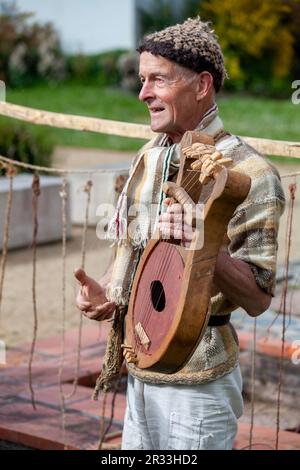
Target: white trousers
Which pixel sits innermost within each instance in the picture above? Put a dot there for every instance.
(183, 417)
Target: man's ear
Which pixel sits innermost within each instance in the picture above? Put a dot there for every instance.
(204, 85)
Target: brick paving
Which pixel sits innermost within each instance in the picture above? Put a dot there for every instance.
(42, 428)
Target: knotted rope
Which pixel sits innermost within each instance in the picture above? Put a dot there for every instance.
(87, 189)
(253, 371)
(292, 189)
(63, 195)
(35, 194)
(10, 173)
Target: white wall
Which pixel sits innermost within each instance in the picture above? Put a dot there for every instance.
(87, 26)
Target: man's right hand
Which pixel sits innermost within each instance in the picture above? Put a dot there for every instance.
(91, 299)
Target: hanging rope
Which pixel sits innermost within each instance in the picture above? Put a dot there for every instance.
(112, 370)
(292, 189)
(87, 190)
(104, 432)
(35, 194)
(253, 374)
(289, 175)
(10, 173)
(102, 421)
(63, 195)
(65, 171)
(58, 171)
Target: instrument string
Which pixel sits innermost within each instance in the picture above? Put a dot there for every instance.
(164, 263)
(188, 183)
(161, 275)
(146, 297)
(162, 260)
(146, 300)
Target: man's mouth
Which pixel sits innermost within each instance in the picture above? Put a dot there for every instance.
(156, 110)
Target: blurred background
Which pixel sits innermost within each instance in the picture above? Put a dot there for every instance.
(78, 57)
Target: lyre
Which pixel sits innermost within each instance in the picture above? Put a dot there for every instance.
(170, 298)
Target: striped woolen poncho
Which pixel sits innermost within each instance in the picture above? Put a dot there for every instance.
(252, 232)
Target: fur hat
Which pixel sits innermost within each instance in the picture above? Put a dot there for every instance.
(192, 44)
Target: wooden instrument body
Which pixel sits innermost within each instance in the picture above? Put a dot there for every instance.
(169, 305)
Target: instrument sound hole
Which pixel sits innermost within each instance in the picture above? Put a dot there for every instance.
(158, 297)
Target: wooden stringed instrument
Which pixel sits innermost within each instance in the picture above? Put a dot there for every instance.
(169, 306)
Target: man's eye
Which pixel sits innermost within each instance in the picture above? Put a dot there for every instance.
(160, 81)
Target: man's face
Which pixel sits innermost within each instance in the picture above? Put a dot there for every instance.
(170, 92)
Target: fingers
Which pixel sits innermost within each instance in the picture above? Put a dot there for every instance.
(177, 230)
(84, 306)
(103, 312)
(106, 308)
(98, 312)
(176, 223)
(175, 208)
(174, 215)
(170, 220)
(179, 215)
(177, 193)
(80, 275)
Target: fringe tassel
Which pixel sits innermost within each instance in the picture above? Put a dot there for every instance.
(113, 358)
(118, 295)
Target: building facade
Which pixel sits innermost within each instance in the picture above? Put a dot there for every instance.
(93, 26)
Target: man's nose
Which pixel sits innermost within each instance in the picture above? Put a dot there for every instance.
(146, 92)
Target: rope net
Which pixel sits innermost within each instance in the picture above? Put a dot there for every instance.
(12, 167)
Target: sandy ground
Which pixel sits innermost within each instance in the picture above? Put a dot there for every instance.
(17, 306)
(17, 310)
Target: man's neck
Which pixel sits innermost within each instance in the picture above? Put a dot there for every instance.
(208, 111)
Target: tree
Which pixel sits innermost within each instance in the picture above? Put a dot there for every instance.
(257, 37)
(28, 52)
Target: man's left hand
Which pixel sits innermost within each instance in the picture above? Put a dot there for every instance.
(175, 223)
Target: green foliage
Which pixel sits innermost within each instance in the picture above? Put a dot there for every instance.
(19, 143)
(101, 69)
(28, 52)
(128, 67)
(160, 16)
(260, 41)
(163, 14)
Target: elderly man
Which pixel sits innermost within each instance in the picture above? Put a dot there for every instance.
(197, 407)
